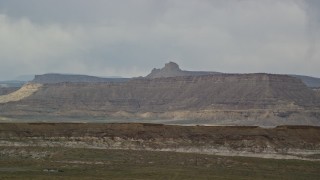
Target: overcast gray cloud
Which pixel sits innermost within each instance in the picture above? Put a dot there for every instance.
(129, 37)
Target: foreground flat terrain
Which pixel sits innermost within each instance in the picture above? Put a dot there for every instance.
(79, 163)
(155, 151)
(284, 142)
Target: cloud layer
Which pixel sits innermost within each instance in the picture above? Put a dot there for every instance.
(128, 38)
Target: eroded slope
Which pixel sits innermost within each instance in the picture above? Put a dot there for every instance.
(22, 93)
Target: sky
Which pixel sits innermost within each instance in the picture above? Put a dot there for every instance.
(130, 37)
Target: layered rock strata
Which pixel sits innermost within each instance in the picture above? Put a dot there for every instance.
(249, 99)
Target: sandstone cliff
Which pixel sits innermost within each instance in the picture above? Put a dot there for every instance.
(251, 99)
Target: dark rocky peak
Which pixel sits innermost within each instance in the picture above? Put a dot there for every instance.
(171, 66)
(168, 68)
(172, 69)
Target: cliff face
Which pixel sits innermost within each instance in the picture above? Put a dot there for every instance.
(236, 91)
(226, 99)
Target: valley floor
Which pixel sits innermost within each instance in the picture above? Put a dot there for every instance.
(80, 163)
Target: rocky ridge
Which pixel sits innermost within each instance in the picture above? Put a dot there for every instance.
(172, 69)
(59, 78)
